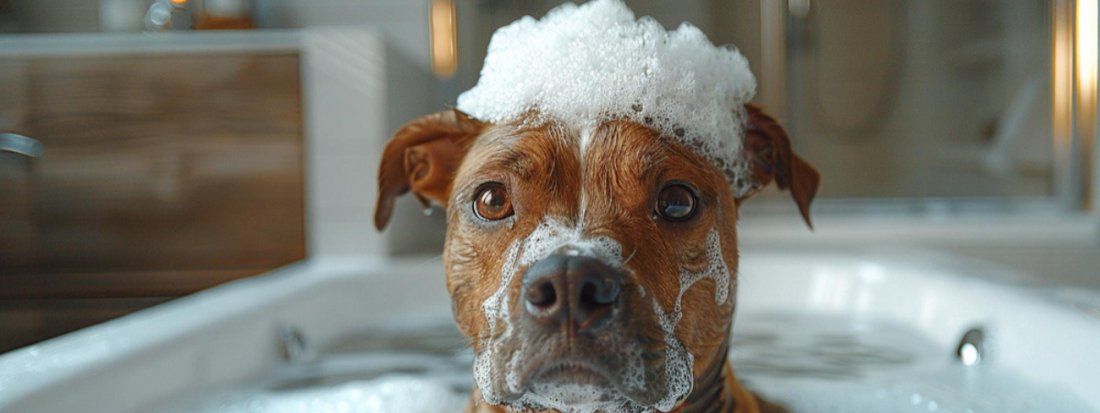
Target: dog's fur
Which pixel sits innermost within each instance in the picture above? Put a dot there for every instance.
(607, 188)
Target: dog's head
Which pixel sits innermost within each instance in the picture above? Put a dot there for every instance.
(594, 268)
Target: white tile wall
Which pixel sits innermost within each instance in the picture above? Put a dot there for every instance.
(344, 86)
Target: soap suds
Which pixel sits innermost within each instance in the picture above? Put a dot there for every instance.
(552, 235)
(582, 65)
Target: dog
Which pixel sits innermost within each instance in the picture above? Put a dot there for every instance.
(593, 268)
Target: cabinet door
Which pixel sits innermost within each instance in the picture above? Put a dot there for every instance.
(161, 174)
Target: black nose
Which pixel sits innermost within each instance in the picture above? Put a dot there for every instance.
(572, 291)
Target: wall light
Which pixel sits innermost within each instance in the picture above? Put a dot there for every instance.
(443, 39)
(1086, 44)
(1074, 105)
(1086, 47)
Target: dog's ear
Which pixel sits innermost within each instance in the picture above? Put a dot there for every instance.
(423, 157)
(771, 157)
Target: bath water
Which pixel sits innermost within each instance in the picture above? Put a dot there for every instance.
(811, 364)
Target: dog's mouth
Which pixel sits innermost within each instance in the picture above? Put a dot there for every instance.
(570, 372)
(573, 383)
(580, 381)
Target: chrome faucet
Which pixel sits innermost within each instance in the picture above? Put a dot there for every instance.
(16, 143)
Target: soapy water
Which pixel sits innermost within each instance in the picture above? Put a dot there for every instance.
(809, 363)
(582, 65)
(393, 393)
(819, 364)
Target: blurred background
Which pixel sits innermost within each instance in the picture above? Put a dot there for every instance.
(151, 149)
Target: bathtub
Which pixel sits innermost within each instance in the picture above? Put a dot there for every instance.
(229, 335)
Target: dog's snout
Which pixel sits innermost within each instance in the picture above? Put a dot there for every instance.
(571, 291)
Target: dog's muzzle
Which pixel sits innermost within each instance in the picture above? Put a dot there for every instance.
(580, 338)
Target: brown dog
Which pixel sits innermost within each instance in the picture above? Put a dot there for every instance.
(595, 279)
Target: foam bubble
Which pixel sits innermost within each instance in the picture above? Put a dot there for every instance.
(715, 270)
(495, 309)
(581, 65)
(553, 235)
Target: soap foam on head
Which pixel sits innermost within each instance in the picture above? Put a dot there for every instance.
(582, 65)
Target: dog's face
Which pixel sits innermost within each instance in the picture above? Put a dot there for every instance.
(593, 269)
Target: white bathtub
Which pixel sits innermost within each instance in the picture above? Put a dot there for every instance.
(227, 336)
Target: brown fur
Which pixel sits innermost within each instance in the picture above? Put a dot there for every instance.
(613, 183)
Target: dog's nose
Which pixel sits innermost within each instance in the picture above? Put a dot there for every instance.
(580, 292)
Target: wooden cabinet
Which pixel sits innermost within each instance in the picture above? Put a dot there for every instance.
(163, 174)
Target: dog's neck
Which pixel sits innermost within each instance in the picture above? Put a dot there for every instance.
(717, 390)
(711, 393)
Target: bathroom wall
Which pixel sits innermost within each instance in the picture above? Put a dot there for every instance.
(411, 88)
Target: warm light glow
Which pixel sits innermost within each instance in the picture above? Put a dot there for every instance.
(1087, 47)
(178, 1)
(1086, 43)
(1062, 84)
(443, 40)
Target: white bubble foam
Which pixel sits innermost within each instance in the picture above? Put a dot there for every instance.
(679, 367)
(715, 270)
(495, 309)
(553, 235)
(581, 65)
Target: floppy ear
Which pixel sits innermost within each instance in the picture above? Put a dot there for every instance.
(423, 157)
(769, 150)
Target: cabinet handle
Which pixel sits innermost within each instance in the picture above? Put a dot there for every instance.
(20, 144)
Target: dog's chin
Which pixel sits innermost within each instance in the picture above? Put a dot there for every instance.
(574, 390)
(572, 383)
(577, 387)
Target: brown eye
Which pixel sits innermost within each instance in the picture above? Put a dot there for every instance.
(492, 203)
(676, 202)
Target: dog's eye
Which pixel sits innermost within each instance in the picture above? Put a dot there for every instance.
(676, 202)
(492, 203)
